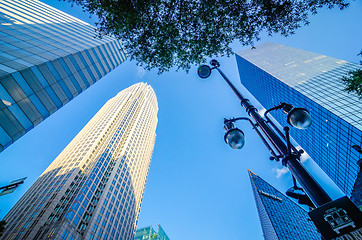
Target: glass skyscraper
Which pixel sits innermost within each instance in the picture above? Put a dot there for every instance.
(148, 233)
(276, 73)
(47, 58)
(280, 217)
(94, 188)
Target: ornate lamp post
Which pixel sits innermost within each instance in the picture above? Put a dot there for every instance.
(338, 218)
(278, 143)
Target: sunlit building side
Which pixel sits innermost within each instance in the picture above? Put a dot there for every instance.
(47, 58)
(275, 73)
(94, 188)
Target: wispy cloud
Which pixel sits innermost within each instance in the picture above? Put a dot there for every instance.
(140, 72)
(304, 157)
(281, 171)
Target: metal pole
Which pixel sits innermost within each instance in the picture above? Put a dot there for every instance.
(311, 186)
(253, 112)
(275, 127)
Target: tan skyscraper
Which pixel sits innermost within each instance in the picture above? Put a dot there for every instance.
(94, 188)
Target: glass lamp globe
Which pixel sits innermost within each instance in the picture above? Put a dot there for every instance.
(204, 71)
(299, 118)
(235, 138)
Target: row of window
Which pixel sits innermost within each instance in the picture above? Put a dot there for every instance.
(344, 133)
(288, 219)
(45, 98)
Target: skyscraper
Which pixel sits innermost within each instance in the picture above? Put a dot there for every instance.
(47, 58)
(94, 188)
(280, 217)
(148, 233)
(276, 73)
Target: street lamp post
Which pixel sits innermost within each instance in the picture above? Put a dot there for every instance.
(297, 117)
(11, 187)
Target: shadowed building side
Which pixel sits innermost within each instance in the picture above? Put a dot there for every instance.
(47, 58)
(280, 217)
(94, 188)
(356, 195)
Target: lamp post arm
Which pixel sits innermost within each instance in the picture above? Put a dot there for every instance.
(287, 136)
(272, 123)
(294, 182)
(275, 126)
(274, 156)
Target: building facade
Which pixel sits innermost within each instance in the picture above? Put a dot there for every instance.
(148, 233)
(94, 188)
(276, 73)
(356, 195)
(280, 217)
(47, 58)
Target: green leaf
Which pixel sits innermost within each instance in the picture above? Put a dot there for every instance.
(163, 34)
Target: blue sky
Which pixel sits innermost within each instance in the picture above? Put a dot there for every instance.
(198, 187)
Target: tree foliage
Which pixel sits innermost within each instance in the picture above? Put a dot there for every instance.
(353, 81)
(165, 33)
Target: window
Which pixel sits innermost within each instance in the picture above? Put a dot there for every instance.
(85, 203)
(75, 206)
(82, 226)
(100, 232)
(65, 235)
(81, 211)
(105, 236)
(79, 198)
(70, 216)
(76, 220)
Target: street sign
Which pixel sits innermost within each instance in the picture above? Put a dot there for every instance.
(338, 220)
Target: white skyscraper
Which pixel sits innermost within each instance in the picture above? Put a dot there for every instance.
(94, 188)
